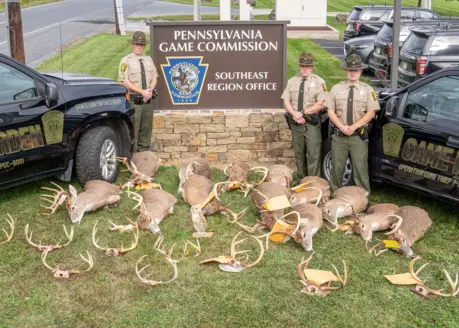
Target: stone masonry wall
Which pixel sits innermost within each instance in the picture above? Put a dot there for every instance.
(223, 136)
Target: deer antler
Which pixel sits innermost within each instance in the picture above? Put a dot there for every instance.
(226, 168)
(196, 247)
(319, 198)
(115, 251)
(137, 197)
(396, 225)
(8, 235)
(234, 253)
(263, 170)
(342, 282)
(173, 263)
(56, 200)
(281, 174)
(215, 189)
(58, 273)
(48, 248)
(123, 228)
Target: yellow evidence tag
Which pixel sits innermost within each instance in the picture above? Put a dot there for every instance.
(401, 279)
(278, 232)
(302, 186)
(277, 203)
(234, 186)
(148, 185)
(391, 244)
(319, 277)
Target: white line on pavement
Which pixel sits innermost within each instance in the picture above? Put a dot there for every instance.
(43, 28)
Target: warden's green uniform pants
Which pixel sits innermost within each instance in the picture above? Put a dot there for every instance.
(341, 146)
(307, 146)
(143, 126)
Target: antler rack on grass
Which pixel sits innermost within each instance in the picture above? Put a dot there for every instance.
(318, 282)
(58, 273)
(115, 251)
(420, 288)
(50, 247)
(8, 235)
(168, 257)
(56, 200)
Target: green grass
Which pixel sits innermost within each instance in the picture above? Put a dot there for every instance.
(339, 27)
(216, 3)
(29, 3)
(175, 18)
(266, 295)
(440, 6)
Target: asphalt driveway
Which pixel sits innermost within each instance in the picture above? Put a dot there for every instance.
(335, 48)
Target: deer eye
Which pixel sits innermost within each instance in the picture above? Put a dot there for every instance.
(362, 226)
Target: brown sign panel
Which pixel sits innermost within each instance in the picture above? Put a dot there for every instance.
(219, 64)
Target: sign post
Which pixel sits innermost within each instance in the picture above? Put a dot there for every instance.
(395, 44)
(15, 37)
(219, 65)
(197, 10)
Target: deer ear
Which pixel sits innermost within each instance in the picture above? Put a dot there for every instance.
(73, 193)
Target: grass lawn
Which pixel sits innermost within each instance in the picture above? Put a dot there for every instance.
(175, 18)
(216, 3)
(266, 295)
(28, 3)
(339, 27)
(442, 7)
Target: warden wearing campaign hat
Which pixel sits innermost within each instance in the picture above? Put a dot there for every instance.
(351, 105)
(303, 99)
(138, 73)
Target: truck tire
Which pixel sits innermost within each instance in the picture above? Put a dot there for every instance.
(95, 155)
(348, 177)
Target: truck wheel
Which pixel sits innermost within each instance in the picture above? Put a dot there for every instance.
(95, 155)
(348, 178)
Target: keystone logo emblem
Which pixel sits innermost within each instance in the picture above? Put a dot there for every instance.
(185, 77)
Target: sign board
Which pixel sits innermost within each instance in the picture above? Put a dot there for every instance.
(219, 64)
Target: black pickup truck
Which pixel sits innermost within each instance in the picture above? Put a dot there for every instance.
(57, 125)
(414, 141)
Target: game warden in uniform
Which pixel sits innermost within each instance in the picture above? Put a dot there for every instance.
(351, 105)
(303, 99)
(138, 73)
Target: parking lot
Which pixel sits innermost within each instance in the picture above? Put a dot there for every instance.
(335, 47)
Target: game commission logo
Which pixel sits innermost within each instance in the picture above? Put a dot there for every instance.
(185, 77)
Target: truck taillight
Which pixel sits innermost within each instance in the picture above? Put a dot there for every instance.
(357, 25)
(389, 50)
(422, 65)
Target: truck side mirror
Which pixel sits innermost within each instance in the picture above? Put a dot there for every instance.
(391, 107)
(52, 95)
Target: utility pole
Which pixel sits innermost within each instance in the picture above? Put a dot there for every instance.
(15, 31)
(395, 44)
(117, 25)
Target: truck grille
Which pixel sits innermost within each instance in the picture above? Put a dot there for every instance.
(347, 49)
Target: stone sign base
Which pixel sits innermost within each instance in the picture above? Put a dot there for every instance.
(223, 136)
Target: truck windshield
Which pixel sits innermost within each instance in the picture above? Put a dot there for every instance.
(385, 33)
(415, 43)
(355, 14)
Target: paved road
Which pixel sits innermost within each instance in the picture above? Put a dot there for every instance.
(335, 47)
(79, 18)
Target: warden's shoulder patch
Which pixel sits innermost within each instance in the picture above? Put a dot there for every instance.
(324, 86)
(374, 95)
(123, 67)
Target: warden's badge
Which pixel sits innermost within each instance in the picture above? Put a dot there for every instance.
(53, 124)
(185, 77)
